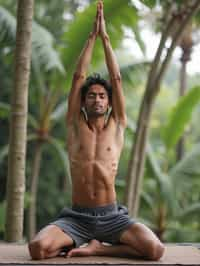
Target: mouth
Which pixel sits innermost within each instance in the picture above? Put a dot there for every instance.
(97, 107)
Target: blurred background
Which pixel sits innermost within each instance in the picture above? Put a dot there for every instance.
(170, 194)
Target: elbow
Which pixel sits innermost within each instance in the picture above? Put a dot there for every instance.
(123, 121)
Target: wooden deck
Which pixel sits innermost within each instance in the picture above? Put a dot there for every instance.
(12, 254)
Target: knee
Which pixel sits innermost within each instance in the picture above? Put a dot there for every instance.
(37, 248)
(155, 250)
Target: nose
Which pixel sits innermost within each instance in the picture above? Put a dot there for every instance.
(97, 98)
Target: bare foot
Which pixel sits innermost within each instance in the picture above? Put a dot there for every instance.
(90, 250)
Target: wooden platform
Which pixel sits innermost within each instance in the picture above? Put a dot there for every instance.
(12, 254)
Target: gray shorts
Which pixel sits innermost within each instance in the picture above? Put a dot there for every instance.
(105, 223)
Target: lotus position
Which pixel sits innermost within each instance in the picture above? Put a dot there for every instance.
(96, 121)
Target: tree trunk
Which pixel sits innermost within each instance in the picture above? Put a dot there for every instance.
(33, 191)
(137, 157)
(137, 160)
(181, 143)
(18, 124)
(186, 45)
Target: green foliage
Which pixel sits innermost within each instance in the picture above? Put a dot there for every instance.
(64, 160)
(164, 186)
(174, 192)
(42, 48)
(170, 201)
(2, 216)
(3, 153)
(134, 73)
(7, 24)
(149, 3)
(117, 13)
(180, 117)
(187, 171)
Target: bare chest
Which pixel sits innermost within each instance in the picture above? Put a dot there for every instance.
(87, 145)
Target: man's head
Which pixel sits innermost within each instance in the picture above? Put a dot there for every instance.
(96, 95)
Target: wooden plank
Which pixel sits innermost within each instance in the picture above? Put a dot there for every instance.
(174, 255)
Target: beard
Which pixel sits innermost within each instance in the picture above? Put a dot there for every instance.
(96, 111)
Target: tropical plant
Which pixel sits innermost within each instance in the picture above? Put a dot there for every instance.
(158, 68)
(17, 142)
(167, 198)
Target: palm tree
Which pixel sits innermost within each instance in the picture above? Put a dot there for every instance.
(43, 125)
(158, 68)
(44, 58)
(43, 51)
(17, 143)
(186, 44)
(171, 194)
(50, 112)
(176, 186)
(167, 197)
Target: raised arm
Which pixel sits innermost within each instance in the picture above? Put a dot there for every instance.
(118, 100)
(74, 99)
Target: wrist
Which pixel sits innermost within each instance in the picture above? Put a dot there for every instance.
(92, 35)
(104, 37)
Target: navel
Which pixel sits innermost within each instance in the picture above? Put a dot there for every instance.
(108, 149)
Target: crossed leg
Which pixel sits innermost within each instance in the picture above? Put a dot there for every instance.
(49, 242)
(136, 241)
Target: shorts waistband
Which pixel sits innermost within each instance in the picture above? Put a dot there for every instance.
(96, 211)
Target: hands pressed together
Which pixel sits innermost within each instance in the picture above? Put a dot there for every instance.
(99, 24)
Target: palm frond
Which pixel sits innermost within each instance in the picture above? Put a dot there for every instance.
(2, 216)
(5, 113)
(4, 110)
(134, 73)
(7, 25)
(165, 191)
(187, 168)
(180, 117)
(59, 111)
(190, 211)
(43, 50)
(3, 153)
(64, 159)
(117, 13)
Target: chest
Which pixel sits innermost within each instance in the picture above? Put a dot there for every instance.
(86, 144)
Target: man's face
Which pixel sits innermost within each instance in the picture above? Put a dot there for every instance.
(96, 101)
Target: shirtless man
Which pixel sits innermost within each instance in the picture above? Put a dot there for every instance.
(95, 141)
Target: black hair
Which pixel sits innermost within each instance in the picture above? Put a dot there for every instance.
(96, 79)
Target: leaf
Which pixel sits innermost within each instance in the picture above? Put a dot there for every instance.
(134, 73)
(187, 168)
(191, 210)
(149, 3)
(164, 182)
(3, 153)
(117, 13)
(42, 42)
(63, 157)
(2, 216)
(5, 113)
(43, 50)
(180, 117)
(59, 112)
(4, 110)
(7, 24)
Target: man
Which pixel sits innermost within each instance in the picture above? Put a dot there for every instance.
(96, 122)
